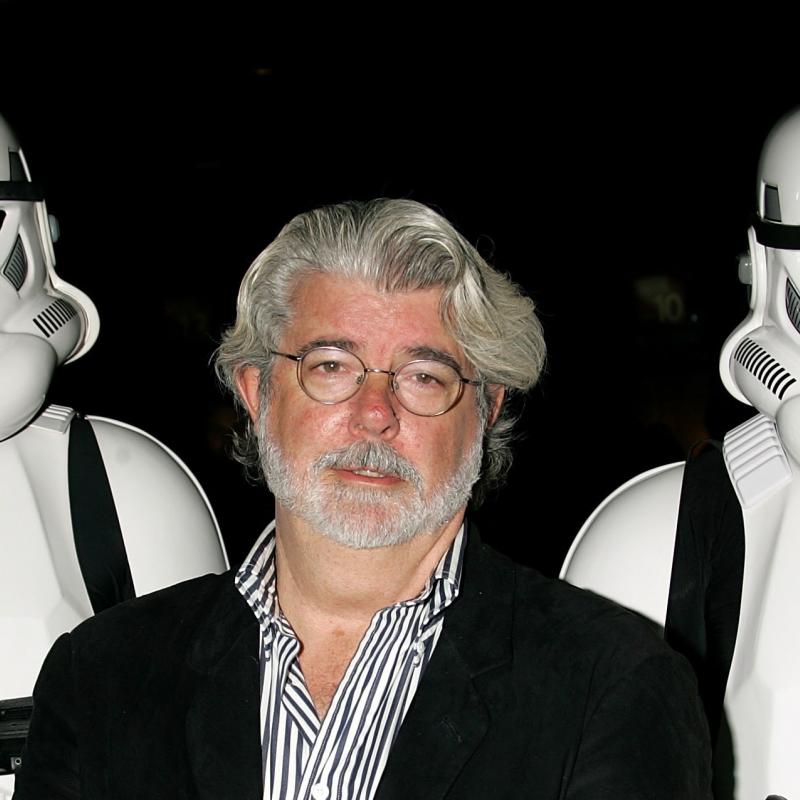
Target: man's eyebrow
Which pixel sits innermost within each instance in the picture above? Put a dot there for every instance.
(417, 351)
(434, 354)
(344, 344)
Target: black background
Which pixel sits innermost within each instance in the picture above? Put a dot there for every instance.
(172, 149)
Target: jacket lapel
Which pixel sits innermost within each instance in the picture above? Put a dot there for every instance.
(222, 724)
(448, 717)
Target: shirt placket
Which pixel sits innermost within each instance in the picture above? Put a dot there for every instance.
(317, 783)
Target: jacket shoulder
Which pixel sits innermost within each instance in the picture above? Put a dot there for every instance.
(164, 620)
(573, 622)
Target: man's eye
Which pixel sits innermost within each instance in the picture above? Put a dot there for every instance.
(425, 379)
(328, 368)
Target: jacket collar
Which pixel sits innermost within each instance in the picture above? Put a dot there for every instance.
(479, 623)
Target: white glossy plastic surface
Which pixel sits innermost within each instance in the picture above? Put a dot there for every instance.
(624, 550)
(170, 531)
(756, 460)
(31, 361)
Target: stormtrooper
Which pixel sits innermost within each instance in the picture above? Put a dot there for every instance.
(92, 511)
(709, 549)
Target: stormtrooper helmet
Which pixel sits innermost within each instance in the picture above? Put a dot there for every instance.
(760, 360)
(44, 321)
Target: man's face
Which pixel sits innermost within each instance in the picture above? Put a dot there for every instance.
(367, 472)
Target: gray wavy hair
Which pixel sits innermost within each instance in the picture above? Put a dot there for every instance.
(396, 246)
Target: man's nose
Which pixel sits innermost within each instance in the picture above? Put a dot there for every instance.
(374, 408)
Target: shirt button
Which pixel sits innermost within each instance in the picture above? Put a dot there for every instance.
(320, 792)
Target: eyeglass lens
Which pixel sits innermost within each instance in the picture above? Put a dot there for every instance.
(331, 375)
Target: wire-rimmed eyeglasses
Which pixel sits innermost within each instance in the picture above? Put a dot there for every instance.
(426, 387)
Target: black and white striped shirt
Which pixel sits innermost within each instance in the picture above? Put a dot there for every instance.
(342, 757)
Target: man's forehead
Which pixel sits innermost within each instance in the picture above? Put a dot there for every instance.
(331, 310)
(314, 285)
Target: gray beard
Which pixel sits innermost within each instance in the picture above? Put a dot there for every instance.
(364, 517)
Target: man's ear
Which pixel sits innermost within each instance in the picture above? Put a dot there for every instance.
(247, 380)
(497, 392)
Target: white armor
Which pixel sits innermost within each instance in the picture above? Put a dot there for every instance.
(625, 549)
(166, 526)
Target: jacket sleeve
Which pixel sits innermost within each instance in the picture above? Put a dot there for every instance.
(50, 767)
(646, 737)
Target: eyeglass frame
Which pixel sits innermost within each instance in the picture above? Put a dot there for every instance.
(390, 372)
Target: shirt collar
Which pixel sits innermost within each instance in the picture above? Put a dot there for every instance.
(256, 579)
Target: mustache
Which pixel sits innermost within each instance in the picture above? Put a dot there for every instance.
(372, 456)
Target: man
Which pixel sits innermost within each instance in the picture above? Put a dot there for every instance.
(370, 645)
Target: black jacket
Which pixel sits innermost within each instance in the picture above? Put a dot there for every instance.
(536, 690)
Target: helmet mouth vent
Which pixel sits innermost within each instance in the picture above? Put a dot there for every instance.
(793, 305)
(766, 369)
(16, 268)
(54, 317)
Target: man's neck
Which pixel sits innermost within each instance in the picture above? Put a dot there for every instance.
(329, 592)
(322, 584)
